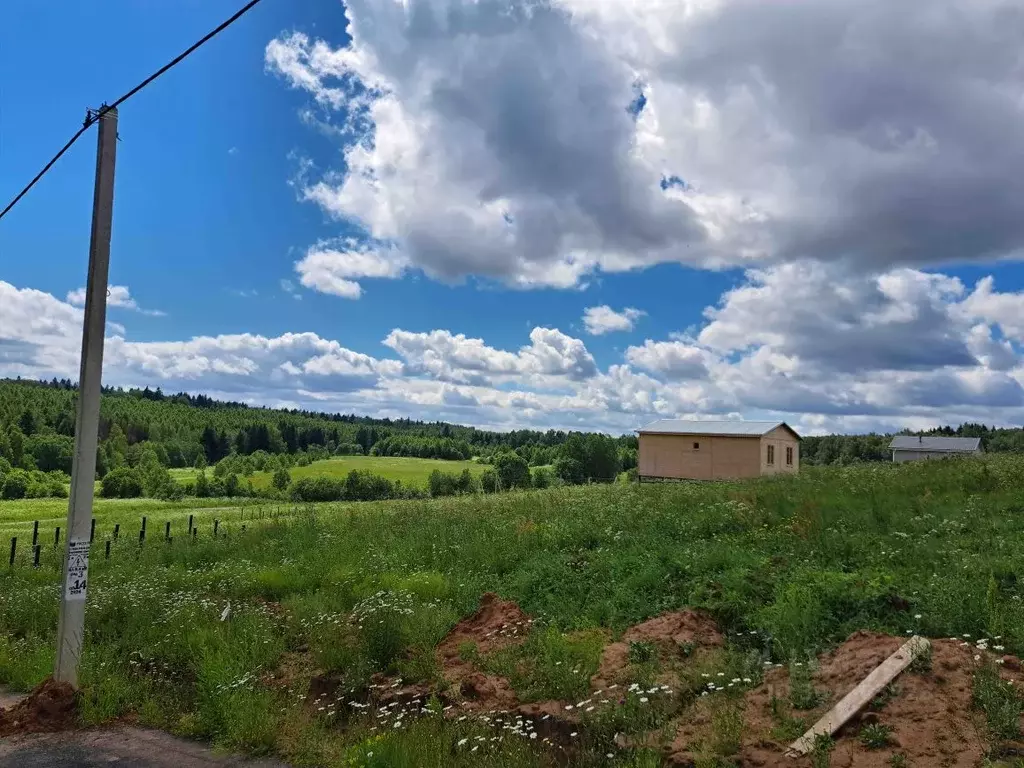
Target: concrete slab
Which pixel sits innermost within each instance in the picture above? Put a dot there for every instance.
(122, 747)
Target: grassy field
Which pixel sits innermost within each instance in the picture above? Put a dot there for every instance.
(787, 567)
(410, 471)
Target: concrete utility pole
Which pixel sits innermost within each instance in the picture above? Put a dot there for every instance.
(71, 625)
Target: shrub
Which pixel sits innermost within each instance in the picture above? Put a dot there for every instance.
(202, 487)
(122, 483)
(15, 485)
(281, 479)
(489, 481)
(513, 471)
(449, 484)
(320, 488)
(366, 486)
(569, 470)
(542, 477)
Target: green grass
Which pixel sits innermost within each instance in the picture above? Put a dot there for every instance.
(363, 587)
(410, 471)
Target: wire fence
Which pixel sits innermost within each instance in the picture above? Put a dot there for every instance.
(44, 549)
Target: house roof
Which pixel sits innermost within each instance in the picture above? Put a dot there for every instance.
(714, 428)
(934, 444)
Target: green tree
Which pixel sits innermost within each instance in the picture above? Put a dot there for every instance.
(122, 483)
(569, 470)
(52, 452)
(513, 470)
(16, 441)
(15, 485)
(281, 479)
(489, 481)
(28, 422)
(202, 485)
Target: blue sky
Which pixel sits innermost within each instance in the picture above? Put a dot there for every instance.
(449, 182)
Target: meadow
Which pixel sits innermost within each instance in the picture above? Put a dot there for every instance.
(787, 567)
(409, 471)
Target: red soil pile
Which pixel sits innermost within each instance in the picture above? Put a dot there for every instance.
(496, 624)
(930, 713)
(673, 635)
(52, 706)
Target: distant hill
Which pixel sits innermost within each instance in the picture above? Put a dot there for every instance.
(183, 427)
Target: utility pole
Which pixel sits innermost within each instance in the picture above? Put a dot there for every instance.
(71, 624)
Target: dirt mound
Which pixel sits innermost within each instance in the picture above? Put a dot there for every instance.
(671, 636)
(929, 712)
(52, 706)
(496, 624)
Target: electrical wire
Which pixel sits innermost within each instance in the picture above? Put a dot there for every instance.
(94, 115)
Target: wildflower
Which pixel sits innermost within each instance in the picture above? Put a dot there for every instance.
(461, 742)
(917, 616)
(574, 734)
(569, 707)
(532, 736)
(643, 699)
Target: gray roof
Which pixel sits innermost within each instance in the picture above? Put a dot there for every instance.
(725, 428)
(935, 444)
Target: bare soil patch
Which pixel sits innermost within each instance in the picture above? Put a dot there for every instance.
(495, 625)
(52, 706)
(672, 636)
(929, 712)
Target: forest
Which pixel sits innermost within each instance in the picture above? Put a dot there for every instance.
(145, 432)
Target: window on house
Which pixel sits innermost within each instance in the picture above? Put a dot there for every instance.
(771, 454)
(696, 446)
(789, 457)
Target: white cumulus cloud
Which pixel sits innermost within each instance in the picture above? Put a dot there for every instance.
(117, 296)
(604, 319)
(538, 143)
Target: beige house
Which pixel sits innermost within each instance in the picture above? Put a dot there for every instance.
(717, 450)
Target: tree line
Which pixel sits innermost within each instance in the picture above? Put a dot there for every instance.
(144, 432)
(850, 449)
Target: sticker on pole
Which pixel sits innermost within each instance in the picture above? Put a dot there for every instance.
(78, 570)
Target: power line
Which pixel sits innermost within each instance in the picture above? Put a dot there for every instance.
(94, 115)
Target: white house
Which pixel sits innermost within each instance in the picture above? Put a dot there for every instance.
(913, 448)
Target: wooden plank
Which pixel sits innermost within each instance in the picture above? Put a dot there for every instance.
(856, 699)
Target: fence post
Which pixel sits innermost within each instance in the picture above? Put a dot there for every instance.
(92, 530)
(35, 533)
(108, 549)
(14, 548)
(216, 525)
(56, 537)
(142, 536)
(117, 530)
(35, 560)
(190, 521)
(143, 527)
(167, 531)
